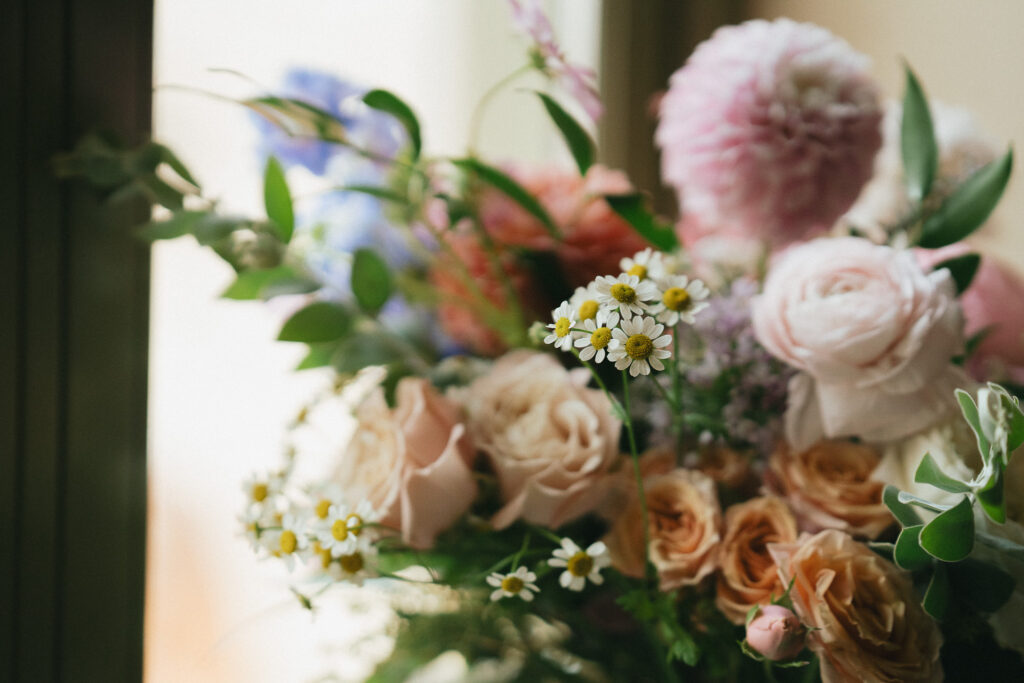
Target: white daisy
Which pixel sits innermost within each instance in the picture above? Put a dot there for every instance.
(344, 530)
(644, 264)
(584, 302)
(600, 329)
(352, 567)
(322, 498)
(580, 564)
(520, 582)
(562, 333)
(627, 293)
(262, 489)
(638, 344)
(681, 299)
(289, 542)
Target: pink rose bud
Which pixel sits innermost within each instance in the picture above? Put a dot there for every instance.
(776, 633)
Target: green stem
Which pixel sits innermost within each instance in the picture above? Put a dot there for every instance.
(477, 117)
(628, 419)
(677, 393)
(522, 549)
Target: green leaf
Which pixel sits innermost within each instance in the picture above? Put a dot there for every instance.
(937, 595)
(168, 157)
(289, 285)
(917, 140)
(1007, 547)
(180, 223)
(371, 280)
(950, 536)
(907, 553)
(382, 100)
(981, 585)
(159, 192)
(992, 498)
(1015, 425)
(384, 193)
(322, 321)
(212, 228)
(249, 284)
(299, 119)
(363, 349)
(510, 188)
(632, 208)
(319, 356)
(929, 472)
(904, 514)
(963, 269)
(576, 137)
(970, 412)
(278, 200)
(969, 205)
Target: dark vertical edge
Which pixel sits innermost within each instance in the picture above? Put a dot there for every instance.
(642, 44)
(108, 296)
(12, 255)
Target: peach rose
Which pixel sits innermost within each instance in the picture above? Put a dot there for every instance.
(746, 572)
(550, 440)
(412, 463)
(873, 334)
(684, 520)
(866, 623)
(830, 486)
(594, 238)
(776, 633)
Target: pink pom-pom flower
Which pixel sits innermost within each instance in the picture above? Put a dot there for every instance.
(770, 128)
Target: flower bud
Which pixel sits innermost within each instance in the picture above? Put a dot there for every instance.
(776, 633)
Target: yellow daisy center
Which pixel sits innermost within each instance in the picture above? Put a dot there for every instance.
(353, 563)
(288, 542)
(512, 584)
(354, 523)
(588, 310)
(624, 294)
(639, 347)
(260, 492)
(676, 299)
(322, 508)
(562, 327)
(339, 530)
(600, 337)
(580, 564)
(639, 270)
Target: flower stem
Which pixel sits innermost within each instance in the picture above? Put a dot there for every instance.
(628, 420)
(478, 112)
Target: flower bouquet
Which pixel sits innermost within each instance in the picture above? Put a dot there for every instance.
(759, 443)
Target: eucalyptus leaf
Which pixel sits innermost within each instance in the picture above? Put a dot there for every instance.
(981, 585)
(992, 498)
(969, 205)
(950, 536)
(904, 514)
(970, 413)
(277, 199)
(917, 140)
(382, 100)
(633, 209)
(907, 553)
(963, 269)
(929, 472)
(371, 280)
(510, 188)
(576, 137)
(937, 596)
(322, 321)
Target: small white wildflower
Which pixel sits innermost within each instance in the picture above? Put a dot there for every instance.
(353, 567)
(681, 299)
(646, 264)
(584, 302)
(639, 345)
(580, 565)
(262, 489)
(520, 582)
(344, 529)
(627, 293)
(600, 328)
(562, 335)
(289, 542)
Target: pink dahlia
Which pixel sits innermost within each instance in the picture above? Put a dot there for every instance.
(771, 128)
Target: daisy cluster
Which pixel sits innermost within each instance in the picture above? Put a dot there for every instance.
(315, 528)
(623, 318)
(579, 565)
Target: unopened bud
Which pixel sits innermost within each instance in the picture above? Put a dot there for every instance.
(776, 633)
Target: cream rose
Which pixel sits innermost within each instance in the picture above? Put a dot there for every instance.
(746, 571)
(866, 623)
(550, 440)
(871, 331)
(830, 486)
(412, 463)
(684, 521)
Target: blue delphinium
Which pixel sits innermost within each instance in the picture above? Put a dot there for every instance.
(366, 127)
